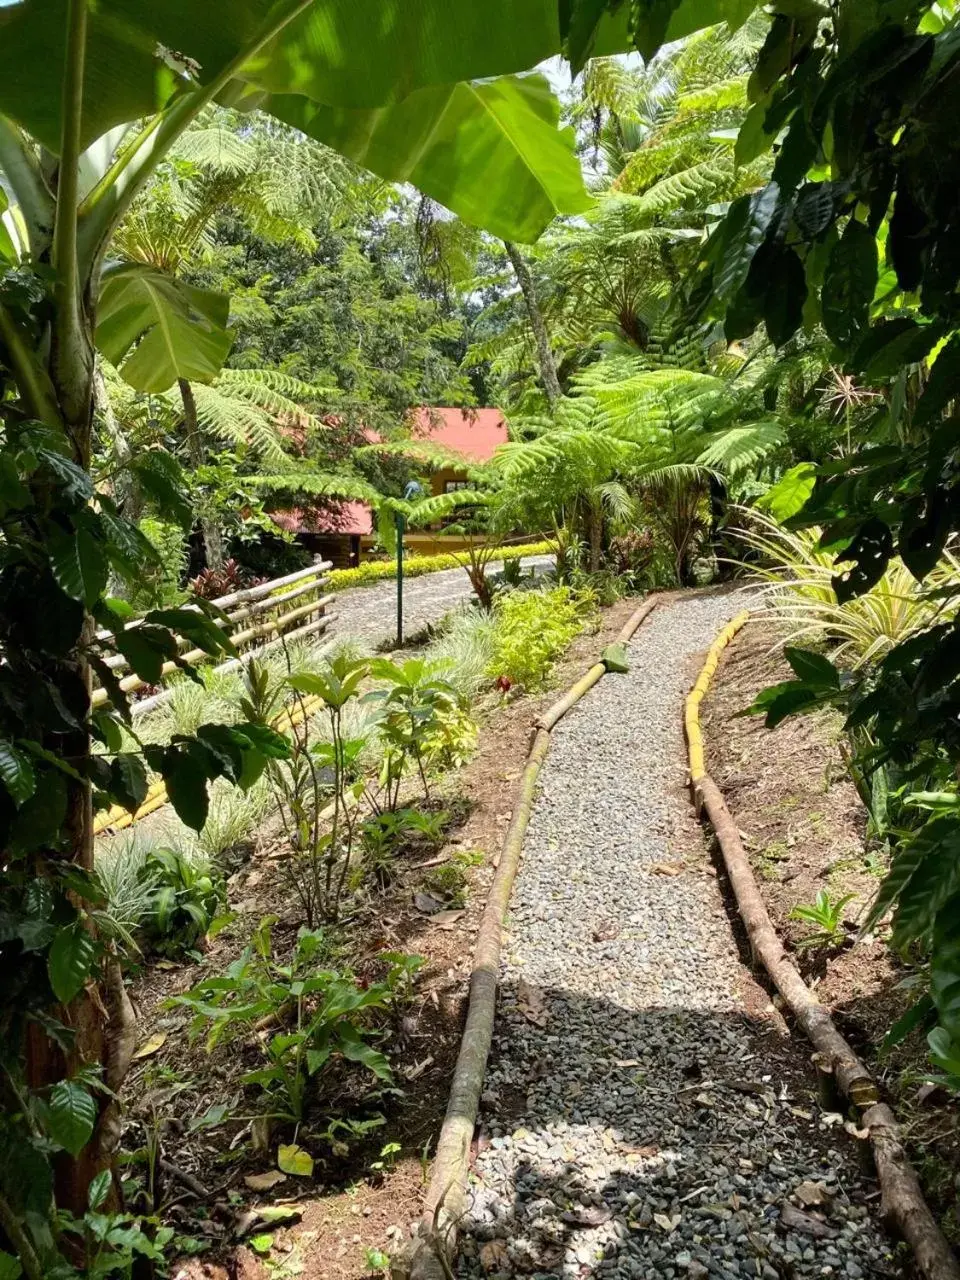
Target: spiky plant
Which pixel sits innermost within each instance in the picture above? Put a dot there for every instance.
(799, 593)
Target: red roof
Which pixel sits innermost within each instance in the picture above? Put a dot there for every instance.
(476, 433)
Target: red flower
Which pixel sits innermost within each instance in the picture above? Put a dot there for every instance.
(504, 684)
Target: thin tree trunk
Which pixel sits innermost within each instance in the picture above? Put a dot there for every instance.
(209, 529)
(548, 370)
(595, 526)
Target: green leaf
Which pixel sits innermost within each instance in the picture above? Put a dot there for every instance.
(849, 284)
(161, 478)
(99, 1189)
(128, 780)
(945, 967)
(262, 1243)
(70, 960)
(784, 296)
(79, 564)
(919, 1013)
(781, 700)
(812, 668)
(490, 151)
(293, 1159)
(753, 140)
(741, 234)
(146, 648)
(187, 788)
(71, 1115)
(941, 387)
(790, 493)
(16, 773)
(10, 1268)
(157, 329)
(870, 551)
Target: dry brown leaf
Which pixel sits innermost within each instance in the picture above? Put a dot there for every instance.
(810, 1193)
(793, 1219)
(667, 868)
(532, 1002)
(494, 1256)
(448, 919)
(264, 1181)
(151, 1046)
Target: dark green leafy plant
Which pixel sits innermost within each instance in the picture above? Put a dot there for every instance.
(187, 895)
(324, 1015)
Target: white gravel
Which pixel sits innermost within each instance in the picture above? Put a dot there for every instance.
(649, 1127)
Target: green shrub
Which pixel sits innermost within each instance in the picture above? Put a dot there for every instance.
(160, 584)
(322, 1015)
(464, 649)
(533, 630)
(371, 571)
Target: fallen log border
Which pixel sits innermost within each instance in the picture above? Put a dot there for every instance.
(432, 1250)
(901, 1198)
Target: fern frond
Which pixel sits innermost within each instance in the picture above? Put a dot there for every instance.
(739, 448)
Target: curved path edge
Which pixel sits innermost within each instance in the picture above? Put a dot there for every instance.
(433, 1247)
(903, 1203)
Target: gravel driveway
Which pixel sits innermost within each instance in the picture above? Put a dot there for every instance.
(368, 615)
(644, 1114)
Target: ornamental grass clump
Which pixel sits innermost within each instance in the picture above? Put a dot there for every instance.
(800, 593)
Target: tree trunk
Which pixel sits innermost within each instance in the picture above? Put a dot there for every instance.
(209, 529)
(595, 527)
(72, 378)
(548, 370)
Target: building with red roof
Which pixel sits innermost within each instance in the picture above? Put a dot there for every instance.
(346, 533)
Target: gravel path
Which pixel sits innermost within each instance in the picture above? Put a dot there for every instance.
(638, 1121)
(368, 615)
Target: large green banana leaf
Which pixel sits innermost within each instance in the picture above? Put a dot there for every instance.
(349, 53)
(388, 82)
(488, 149)
(170, 329)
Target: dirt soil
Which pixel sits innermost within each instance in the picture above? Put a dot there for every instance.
(806, 831)
(347, 1207)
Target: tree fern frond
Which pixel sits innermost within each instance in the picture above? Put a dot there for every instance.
(740, 448)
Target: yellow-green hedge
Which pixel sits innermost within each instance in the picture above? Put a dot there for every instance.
(371, 571)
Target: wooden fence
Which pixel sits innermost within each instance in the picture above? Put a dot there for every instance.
(284, 609)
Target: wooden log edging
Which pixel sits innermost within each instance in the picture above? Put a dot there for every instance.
(433, 1248)
(901, 1197)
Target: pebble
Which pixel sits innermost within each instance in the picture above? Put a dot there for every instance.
(626, 1097)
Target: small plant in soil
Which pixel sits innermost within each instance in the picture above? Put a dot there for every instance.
(448, 881)
(187, 895)
(386, 836)
(313, 1016)
(826, 917)
(375, 1262)
(417, 707)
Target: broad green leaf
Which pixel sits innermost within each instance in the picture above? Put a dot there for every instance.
(662, 21)
(79, 564)
(333, 51)
(753, 139)
(69, 961)
(490, 150)
(128, 780)
(741, 234)
(791, 491)
(146, 648)
(849, 284)
(71, 1115)
(813, 668)
(945, 967)
(293, 1159)
(10, 1268)
(16, 773)
(157, 329)
(99, 1189)
(187, 788)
